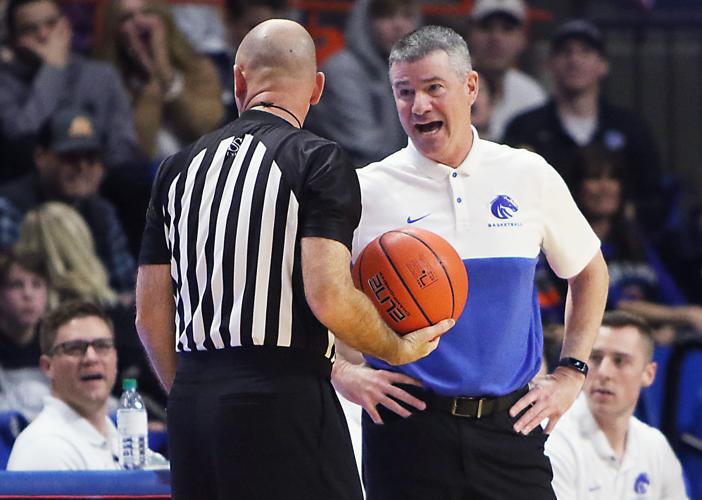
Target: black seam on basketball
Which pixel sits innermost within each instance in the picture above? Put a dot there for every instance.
(380, 244)
(448, 276)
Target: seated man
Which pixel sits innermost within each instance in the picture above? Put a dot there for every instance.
(599, 449)
(69, 168)
(73, 432)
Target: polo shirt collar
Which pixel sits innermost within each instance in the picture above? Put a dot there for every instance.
(591, 431)
(435, 170)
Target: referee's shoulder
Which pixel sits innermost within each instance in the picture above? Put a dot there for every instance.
(186, 154)
(314, 141)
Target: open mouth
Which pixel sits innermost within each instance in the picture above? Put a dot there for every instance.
(92, 376)
(602, 392)
(429, 128)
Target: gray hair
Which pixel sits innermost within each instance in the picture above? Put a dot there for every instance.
(423, 41)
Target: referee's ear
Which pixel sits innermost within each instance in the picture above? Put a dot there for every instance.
(319, 80)
(239, 85)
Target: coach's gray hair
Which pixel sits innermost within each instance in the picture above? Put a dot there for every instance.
(419, 43)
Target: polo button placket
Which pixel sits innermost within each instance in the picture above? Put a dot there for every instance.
(459, 206)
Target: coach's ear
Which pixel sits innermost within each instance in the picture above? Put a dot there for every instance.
(319, 80)
(239, 85)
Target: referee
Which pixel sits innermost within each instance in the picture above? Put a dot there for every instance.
(244, 270)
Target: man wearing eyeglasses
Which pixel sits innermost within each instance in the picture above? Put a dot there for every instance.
(73, 431)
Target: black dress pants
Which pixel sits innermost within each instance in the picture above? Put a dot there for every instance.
(433, 455)
(259, 424)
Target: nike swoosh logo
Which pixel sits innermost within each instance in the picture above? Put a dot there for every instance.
(410, 220)
(594, 488)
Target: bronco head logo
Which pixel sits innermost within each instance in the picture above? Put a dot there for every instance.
(503, 207)
(642, 483)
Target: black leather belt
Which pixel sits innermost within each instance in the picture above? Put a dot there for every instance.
(475, 407)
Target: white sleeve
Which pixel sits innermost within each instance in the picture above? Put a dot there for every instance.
(564, 464)
(45, 453)
(674, 485)
(569, 242)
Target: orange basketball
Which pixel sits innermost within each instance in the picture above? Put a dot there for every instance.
(414, 277)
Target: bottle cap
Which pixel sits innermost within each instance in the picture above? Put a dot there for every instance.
(128, 384)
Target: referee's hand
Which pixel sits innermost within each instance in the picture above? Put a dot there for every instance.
(549, 398)
(417, 344)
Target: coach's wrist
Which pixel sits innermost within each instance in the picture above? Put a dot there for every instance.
(575, 365)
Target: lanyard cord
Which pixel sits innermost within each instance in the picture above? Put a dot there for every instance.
(267, 104)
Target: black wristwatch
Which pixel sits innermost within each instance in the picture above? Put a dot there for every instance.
(574, 364)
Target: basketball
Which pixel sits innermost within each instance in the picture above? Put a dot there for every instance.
(414, 277)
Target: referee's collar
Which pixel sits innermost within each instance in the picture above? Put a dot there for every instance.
(264, 116)
(436, 170)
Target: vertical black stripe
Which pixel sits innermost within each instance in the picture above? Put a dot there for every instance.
(252, 249)
(193, 222)
(229, 246)
(178, 209)
(208, 300)
(275, 271)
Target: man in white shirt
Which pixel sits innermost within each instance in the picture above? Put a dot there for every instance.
(475, 432)
(73, 431)
(599, 450)
(498, 37)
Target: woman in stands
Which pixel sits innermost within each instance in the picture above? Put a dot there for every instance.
(175, 92)
(639, 281)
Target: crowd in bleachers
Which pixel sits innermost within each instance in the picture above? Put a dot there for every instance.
(86, 116)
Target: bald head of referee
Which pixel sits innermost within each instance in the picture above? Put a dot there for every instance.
(276, 63)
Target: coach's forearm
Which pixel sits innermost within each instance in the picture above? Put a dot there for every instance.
(585, 304)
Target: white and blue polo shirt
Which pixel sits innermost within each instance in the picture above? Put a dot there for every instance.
(499, 209)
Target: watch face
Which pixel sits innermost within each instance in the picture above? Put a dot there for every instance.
(575, 364)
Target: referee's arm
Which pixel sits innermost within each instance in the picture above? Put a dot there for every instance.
(348, 313)
(155, 321)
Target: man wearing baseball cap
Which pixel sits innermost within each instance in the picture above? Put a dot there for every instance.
(497, 39)
(578, 115)
(69, 168)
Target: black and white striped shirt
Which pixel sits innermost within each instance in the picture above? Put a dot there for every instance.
(228, 212)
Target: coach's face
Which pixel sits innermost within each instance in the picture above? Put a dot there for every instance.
(433, 102)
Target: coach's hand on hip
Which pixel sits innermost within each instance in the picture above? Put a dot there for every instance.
(550, 397)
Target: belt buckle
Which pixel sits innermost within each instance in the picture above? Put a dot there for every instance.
(456, 413)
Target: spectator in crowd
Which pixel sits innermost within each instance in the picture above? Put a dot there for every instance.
(639, 280)
(59, 234)
(599, 450)
(73, 431)
(24, 297)
(482, 109)
(69, 168)
(44, 75)
(497, 39)
(175, 93)
(578, 116)
(358, 109)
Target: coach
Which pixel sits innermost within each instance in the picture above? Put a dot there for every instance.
(244, 271)
(479, 435)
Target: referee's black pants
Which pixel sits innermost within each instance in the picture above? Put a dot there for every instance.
(258, 424)
(434, 455)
